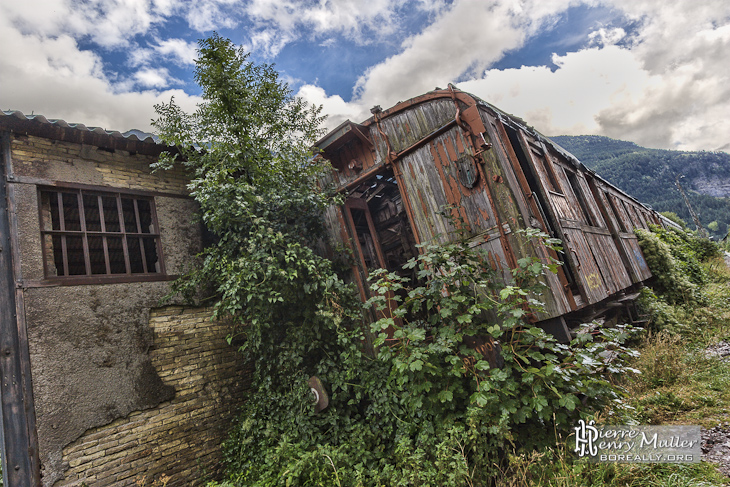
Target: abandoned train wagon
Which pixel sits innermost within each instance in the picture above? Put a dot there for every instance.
(448, 148)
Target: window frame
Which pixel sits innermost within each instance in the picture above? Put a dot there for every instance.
(46, 221)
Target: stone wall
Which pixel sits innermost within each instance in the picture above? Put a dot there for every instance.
(47, 160)
(179, 439)
(122, 390)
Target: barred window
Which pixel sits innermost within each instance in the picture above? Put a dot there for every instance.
(92, 233)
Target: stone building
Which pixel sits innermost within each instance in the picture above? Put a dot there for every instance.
(101, 385)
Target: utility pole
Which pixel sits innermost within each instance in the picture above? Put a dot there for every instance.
(700, 229)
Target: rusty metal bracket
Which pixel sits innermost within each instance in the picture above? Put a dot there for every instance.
(391, 156)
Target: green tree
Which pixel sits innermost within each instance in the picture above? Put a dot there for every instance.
(247, 147)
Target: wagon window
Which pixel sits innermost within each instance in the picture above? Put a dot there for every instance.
(91, 233)
(578, 191)
(614, 210)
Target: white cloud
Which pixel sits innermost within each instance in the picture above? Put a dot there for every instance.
(606, 36)
(684, 48)
(154, 78)
(667, 88)
(334, 106)
(462, 41)
(179, 50)
(564, 101)
(51, 76)
(279, 22)
(207, 15)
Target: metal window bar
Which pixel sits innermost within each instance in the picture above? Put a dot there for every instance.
(62, 226)
(62, 233)
(141, 243)
(123, 229)
(102, 221)
(85, 237)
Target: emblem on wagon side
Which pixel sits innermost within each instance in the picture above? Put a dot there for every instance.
(468, 173)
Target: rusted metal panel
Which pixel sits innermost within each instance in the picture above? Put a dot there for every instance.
(477, 210)
(407, 127)
(427, 195)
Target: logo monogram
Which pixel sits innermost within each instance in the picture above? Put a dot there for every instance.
(585, 435)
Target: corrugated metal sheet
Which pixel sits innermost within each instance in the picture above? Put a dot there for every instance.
(56, 129)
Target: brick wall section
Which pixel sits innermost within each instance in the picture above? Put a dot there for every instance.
(180, 438)
(53, 160)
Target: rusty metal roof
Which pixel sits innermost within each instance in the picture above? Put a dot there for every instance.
(57, 129)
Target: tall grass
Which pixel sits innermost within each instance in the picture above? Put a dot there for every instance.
(678, 383)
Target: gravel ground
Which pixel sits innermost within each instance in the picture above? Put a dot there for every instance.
(716, 447)
(716, 441)
(720, 350)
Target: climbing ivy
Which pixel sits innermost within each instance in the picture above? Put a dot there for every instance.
(675, 258)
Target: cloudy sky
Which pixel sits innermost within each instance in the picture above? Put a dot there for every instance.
(656, 72)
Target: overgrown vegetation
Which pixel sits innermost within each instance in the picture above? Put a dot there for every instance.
(679, 381)
(426, 409)
(422, 408)
(459, 389)
(682, 382)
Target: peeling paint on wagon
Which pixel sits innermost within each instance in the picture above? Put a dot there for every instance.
(447, 147)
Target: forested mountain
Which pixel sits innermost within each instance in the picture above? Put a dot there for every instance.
(649, 175)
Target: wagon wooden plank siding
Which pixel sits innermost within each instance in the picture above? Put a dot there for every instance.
(413, 172)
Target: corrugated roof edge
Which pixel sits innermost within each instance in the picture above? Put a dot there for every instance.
(57, 129)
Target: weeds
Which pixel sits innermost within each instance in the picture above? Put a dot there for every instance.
(679, 382)
(554, 467)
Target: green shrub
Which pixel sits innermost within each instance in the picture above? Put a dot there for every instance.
(426, 409)
(670, 280)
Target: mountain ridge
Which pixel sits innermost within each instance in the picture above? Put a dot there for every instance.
(649, 175)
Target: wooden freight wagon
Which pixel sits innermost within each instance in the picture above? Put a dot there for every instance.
(403, 165)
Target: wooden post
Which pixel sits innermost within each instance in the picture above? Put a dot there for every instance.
(19, 443)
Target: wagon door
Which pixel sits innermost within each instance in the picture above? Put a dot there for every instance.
(443, 173)
(597, 267)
